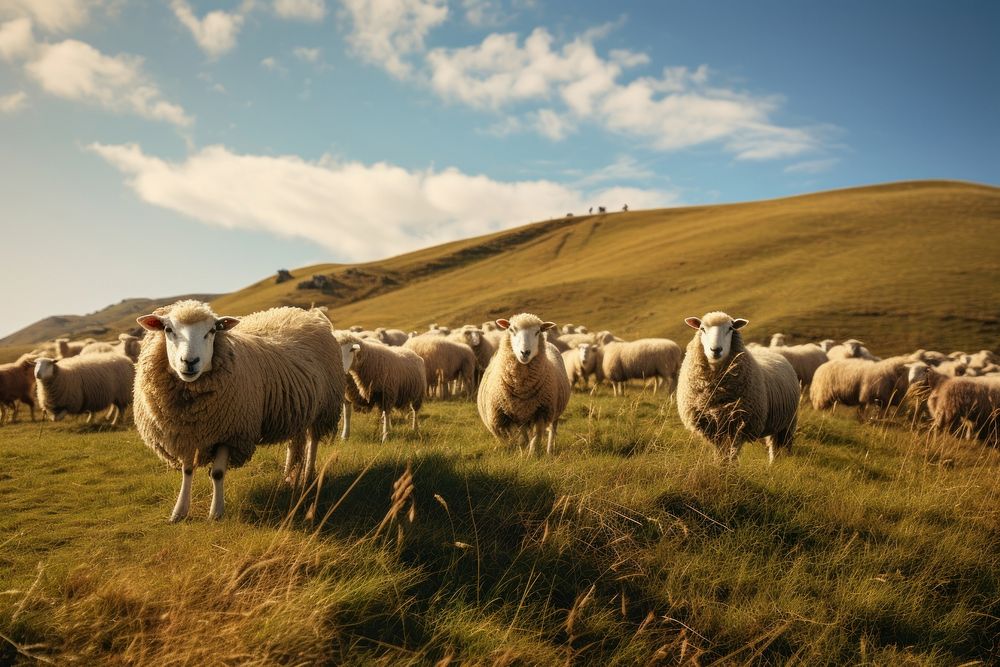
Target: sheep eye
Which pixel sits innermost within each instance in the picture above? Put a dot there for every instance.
(168, 330)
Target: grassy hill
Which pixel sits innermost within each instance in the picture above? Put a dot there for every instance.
(900, 266)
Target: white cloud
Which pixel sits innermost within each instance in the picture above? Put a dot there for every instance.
(811, 166)
(385, 32)
(13, 102)
(271, 64)
(624, 168)
(301, 10)
(74, 70)
(338, 204)
(307, 55)
(50, 15)
(216, 33)
(678, 109)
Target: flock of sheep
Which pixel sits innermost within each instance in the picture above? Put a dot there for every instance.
(206, 390)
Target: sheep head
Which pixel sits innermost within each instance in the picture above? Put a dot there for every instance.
(586, 351)
(525, 334)
(350, 345)
(189, 329)
(716, 332)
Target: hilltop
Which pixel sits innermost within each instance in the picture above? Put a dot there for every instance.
(901, 266)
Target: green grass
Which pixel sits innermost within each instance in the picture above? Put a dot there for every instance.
(873, 544)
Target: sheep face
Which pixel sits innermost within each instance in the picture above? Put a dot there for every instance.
(472, 337)
(526, 339)
(917, 372)
(45, 368)
(854, 346)
(190, 344)
(586, 351)
(716, 336)
(778, 340)
(347, 353)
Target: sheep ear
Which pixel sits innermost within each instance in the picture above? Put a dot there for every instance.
(150, 322)
(693, 322)
(355, 347)
(548, 325)
(503, 324)
(739, 323)
(226, 323)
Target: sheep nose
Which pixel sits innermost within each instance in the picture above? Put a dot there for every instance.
(717, 352)
(191, 363)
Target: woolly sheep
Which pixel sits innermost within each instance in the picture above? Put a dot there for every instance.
(444, 361)
(209, 389)
(553, 340)
(381, 376)
(87, 383)
(573, 339)
(480, 346)
(838, 382)
(849, 349)
(127, 345)
(605, 337)
(657, 358)
(17, 383)
(394, 337)
(729, 395)
(953, 401)
(805, 359)
(524, 389)
(885, 383)
(581, 363)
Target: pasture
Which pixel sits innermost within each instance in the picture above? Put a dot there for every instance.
(874, 543)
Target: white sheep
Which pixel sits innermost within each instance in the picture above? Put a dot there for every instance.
(582, 363)
(395, 337)
(445, 362)
(729, 395)
(972, 405)
(127, 345)
(85, 384)
(17, 383)
(524, 389)
(805, 359)
(209, 389)
(481, 346)
(380, 376)
(643, 359)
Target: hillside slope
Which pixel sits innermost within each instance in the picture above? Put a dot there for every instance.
(901, 266)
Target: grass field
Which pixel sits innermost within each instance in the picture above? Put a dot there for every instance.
(872, 544)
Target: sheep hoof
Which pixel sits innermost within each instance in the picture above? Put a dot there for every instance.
(177, 518)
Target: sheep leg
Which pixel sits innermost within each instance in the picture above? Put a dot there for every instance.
(293, 460)
(309, 466)
(348, 410)
(90, 417)
(218, 476)
(184, 498)
(416, 424)
(385, 425)
(551, 444)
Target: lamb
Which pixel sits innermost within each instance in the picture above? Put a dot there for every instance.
(444, 361)
(17, 383)
(524, 389)
(805, 359)
(394, 337)
(658, 358)
(87, 383)
(380, 376)
(127, 345)
(582, 363)
(209, 389)
(729, 395)
(954, 401)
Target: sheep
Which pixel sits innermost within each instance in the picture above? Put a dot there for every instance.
(574, 339)
(127, 345)
(805, 359)
(954, 401)
(87, 383)
(480, 346)
(929, 357)
(581, 363)
(435, 328)
(444, 361)
(580, 329)
(885, 384)
(524, 389)
(605, 337)
(394, 337)
(66, 349)
(17, 383)
(553, 340)
(826, 344)
(850, 349)
(567, 328)
(209, 389)
(777, 340)
(381, 376)
(729, 395)
(838, 381)
(658, 358)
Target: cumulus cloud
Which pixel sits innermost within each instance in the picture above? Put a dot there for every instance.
(307, 55)
(217, 31)
(386, 32)
(50, 15)
(301, 10)
(74, 70)
(677, 109)
(338, 204)
(13, 102)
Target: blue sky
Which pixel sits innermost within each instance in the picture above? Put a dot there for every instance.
(155, 148)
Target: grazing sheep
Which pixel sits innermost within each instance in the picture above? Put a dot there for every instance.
(524, 389)
(583, 362)
(729, 395)
(87, 383)
(381, 376)
(209, 389)
(969, 405)
(885, 384)
(657, 358)
(17, 383)
(838, 382)
(805, 359)
(445, 361)
(395, 337)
